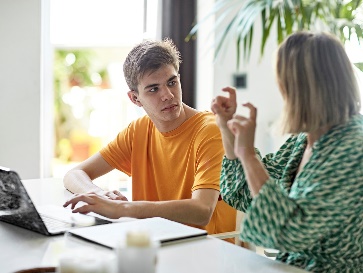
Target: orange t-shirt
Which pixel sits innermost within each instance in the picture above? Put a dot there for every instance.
(169, 166)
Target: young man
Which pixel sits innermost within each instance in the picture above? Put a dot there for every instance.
(173, 154)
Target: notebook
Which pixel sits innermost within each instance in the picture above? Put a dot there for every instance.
(17, 208)
(160, 230)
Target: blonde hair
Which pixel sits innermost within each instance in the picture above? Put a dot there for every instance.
(317, 82)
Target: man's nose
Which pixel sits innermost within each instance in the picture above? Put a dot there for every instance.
(166, 94)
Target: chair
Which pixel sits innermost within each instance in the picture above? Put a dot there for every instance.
(235, 234)
(268, 252)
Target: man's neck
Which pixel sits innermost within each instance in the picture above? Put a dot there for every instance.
(185, 114)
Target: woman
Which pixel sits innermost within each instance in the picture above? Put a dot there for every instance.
(306, 200)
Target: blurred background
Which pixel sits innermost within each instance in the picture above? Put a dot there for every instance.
(63, 95)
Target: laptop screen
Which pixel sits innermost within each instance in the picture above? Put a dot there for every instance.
(16, 207)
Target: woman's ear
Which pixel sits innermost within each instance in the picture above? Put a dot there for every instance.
(134, 97)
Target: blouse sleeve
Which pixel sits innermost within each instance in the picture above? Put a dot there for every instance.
(324, 200)
(234, 187)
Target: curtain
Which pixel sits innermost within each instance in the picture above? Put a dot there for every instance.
(178, 17)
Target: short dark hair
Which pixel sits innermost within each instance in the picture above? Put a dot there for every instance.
(317, 82)
(147, 56)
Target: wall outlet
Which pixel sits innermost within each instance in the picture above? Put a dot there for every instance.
(240, 81)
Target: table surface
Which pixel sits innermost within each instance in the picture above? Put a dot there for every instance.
(23, 249)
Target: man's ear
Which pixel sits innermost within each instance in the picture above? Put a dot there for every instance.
(134, 97)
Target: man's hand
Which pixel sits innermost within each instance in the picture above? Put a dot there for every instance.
(93, 202)
(113, 195)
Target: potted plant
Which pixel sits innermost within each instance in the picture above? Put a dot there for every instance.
(341, 17)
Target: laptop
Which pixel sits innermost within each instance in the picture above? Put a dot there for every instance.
(17, 208)
(161, 230)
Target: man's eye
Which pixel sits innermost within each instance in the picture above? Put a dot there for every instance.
(172, 83)
(153, 89)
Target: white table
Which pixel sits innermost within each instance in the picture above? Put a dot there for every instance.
(22, 249)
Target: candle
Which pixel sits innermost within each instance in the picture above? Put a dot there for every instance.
(137, 254)
(86, 261)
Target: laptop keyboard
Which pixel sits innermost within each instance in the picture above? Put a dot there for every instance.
(54, 224)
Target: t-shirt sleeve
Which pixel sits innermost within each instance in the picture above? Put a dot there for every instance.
(209, 154)
(234, 187)
(118, 152)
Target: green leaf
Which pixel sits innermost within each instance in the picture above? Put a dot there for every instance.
(238, 51)
(235, 21)
(279, 30)
(288, 20)
(359, 32)
(218, 7)
(266, 31)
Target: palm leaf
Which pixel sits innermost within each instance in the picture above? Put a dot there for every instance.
(220, 5)
(266, 27)
(336, 16)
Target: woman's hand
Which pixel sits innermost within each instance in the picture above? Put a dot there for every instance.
(243, 129)
(224, 107)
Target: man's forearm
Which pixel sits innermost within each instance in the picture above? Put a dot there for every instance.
(186, 211)
(77, 181)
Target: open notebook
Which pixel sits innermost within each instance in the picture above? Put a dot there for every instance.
(161, 230)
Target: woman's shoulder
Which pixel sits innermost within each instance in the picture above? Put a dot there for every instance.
(293, 141)
(351, 135)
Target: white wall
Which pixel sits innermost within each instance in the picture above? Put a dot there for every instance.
(261, 88)
(21, 86)
(205, 67)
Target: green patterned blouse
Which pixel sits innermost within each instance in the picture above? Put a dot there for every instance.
(314, 219)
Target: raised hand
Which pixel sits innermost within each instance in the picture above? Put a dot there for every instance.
(243, 129)
(224, 107)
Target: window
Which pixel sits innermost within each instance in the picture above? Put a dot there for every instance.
(91, 39)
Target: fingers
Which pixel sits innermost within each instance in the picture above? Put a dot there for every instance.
(222, 99)
(253, 110)
(120, 196)
(83, 209)
(101, 204)
(222, 104)
(115, 195)
(231, 91)
(111, 195)
(235, 125)
(216, 109)
(87, 198)
(240, 123)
